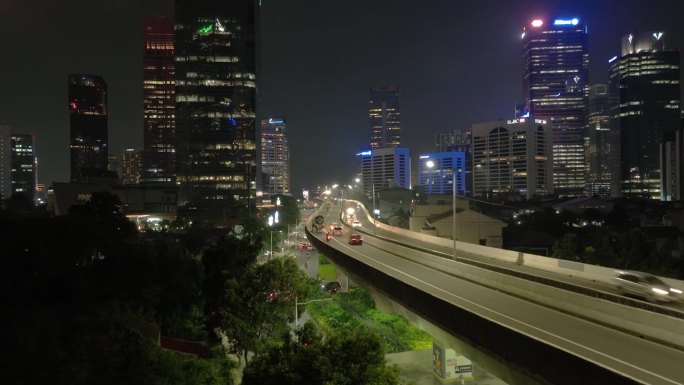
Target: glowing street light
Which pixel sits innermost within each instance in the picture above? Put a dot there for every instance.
(272, 221)
(431, 164)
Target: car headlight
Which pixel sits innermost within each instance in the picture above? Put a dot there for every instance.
(660, 291)
(676, 291)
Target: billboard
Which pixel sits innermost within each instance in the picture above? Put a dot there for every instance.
(449, 366)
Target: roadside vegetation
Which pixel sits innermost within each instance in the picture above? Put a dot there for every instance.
(355, 310)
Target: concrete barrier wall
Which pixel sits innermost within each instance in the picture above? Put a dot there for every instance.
(648, 324)
(559, 266)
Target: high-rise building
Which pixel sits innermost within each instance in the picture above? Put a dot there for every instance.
(512, 158)
(436, 172)
(24, 173)
(602, 143)
(159, 101)
(646, 80)
(275, 159)
(385, 168)
(384, 117)
(459, 141)
(672, 165)
(88, 122)
(18, 166)
(555, 68)
(215, 47)
(131, 166)
(5, 162)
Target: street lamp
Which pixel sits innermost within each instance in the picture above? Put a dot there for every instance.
(430, 164)
(271, 221)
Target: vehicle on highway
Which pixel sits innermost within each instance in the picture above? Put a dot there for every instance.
(356, 223)
(305, 245)
(331, 287)
(355, 239)
(337, 229)
(644, 285)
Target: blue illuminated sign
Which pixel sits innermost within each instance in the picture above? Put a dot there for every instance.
(573, 21)
(365, 153)
(275, 121)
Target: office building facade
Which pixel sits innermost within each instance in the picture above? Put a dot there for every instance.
(275, 158)
(436, 172)
(24, 165)
(602, 143)
(159, 101)
(215, 65)
(88, 127)
(513, 158)
(385, 168)
(646, 79)
(672, 165)
(384, 117)
(555, 77)
(131, 166)
(5, 161)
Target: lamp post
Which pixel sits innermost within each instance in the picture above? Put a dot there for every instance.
(271, 221)
(270, 227)
(375, 225)
(431, 164)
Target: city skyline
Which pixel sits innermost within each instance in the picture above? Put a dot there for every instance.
(454, 69)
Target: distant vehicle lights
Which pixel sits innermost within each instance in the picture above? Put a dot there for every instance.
(537, 23)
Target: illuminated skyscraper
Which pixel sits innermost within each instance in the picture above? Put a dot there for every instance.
(5, 162)
(603, 144)
(88, 122)
(555, 68)
(438, 177)
(385, 168)
(159, 101)
(131, 166)
(24, 174)
(646, 80)
(384, 117)
(18, 174)
(275, 159)
(512, 158)
(215, 45)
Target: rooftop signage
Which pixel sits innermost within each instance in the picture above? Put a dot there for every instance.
(573, 21)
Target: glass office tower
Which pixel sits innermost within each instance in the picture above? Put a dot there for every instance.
(24, 173)
(88, 123)
(159, 101)
(275, 158)
(384, 117)
(215, 107)
(602, 143)
(646, 79)
(555, 68)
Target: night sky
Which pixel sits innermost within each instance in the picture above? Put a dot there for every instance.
(456, 62)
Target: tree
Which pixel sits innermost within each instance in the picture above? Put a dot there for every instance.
(257, 305)
(566, 248)
(342, 358)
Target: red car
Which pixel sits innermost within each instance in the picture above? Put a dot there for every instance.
(355, 239)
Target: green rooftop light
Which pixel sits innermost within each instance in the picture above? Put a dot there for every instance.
(206, 29)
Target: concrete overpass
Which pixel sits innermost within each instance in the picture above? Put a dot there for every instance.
(523, 311)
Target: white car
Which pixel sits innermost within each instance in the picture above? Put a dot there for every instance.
(356, 223)
(645, 285)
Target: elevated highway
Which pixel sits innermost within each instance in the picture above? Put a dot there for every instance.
(549, 326)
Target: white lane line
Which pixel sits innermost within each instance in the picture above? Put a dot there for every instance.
(542, 331)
